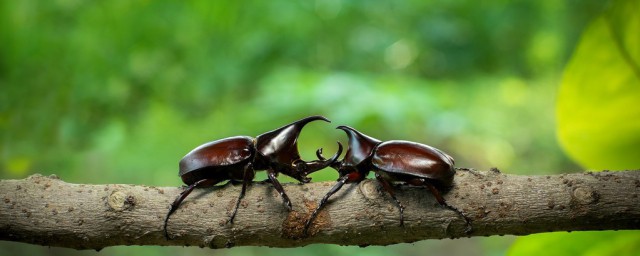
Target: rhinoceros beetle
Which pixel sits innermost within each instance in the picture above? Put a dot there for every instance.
(396, 160)
(237, 158)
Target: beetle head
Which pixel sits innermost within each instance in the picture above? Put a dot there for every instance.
(358, 153)
(280, 149)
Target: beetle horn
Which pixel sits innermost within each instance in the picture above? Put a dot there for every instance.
(360, 145)
(281, 145)
(316, 165)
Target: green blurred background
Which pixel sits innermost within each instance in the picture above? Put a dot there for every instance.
(118, 91)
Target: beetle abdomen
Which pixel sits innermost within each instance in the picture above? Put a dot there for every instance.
(218, 154)
(414, 159)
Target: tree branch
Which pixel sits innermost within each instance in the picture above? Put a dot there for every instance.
(47, 211)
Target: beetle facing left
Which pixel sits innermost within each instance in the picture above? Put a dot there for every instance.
(393, 161)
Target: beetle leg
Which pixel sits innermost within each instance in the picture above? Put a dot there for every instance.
(333, 190)
(442, 202)
(276, 184)
(387, 187)
(247, 177)
(174, 206)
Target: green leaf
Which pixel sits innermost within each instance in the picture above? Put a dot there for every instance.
(578, 243)
(599, 123)
(597, 112)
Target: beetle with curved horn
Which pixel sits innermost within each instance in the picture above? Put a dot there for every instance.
(237, 158)
(410, 162)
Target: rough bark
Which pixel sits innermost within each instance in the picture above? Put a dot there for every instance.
(47, 211)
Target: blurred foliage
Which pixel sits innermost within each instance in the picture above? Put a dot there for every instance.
(588, 243)
(597, 123)
(118, 91)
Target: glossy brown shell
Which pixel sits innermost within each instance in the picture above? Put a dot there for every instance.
(360, 148)
(281, 145)
(414, 159)
(215, 159)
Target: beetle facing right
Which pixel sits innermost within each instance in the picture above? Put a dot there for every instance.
(238, 158)
(396, 160)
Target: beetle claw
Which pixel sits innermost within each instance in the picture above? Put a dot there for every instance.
(306, 168)
(333, 161)
(319, 155)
